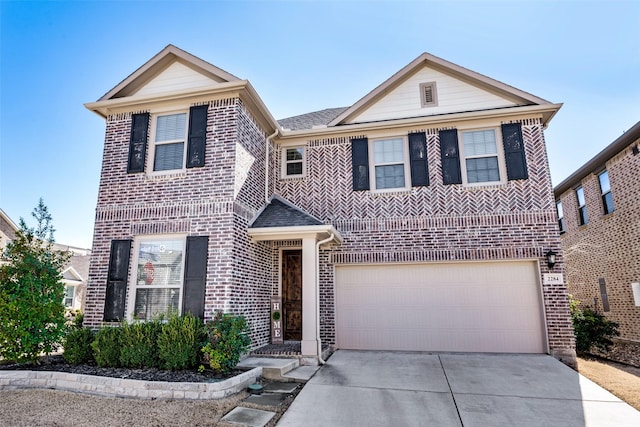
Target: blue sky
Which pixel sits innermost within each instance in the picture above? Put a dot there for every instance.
(301, 56)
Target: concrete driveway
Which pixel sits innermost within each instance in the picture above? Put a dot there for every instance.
(367, 388)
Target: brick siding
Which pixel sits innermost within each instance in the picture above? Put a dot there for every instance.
(608, 246)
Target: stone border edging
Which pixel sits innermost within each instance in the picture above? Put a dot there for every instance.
(127, 388)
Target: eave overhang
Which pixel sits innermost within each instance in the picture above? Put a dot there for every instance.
(241, 89)
(544, 112)
(318, 232)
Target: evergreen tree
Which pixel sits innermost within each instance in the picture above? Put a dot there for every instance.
(32, 319)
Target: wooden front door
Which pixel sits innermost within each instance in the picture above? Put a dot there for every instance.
(292, 294)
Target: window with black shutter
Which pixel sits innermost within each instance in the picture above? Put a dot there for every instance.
(514, 151)
(418, 159)
(197, 136)
(360, 163)
(138, 142)
(117, 280)
(449, 154)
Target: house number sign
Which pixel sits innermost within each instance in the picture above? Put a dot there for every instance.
(552, 279)
(276, 320)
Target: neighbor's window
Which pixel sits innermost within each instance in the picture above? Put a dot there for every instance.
(69, 293)
(582, 207)
(293, 162)
(158, 278)
(561, 224)
(605, 189)
(389, 158)
(480, 153)
(169, 141)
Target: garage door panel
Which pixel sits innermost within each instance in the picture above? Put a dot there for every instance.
(487, 307)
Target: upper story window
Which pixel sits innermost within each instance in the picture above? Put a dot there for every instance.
(481, 157)
(157, 287)
(561, 224)
(294, 162)
(605, 190)
(69, 295)
(389, 159)
(169, 141)
(428, 94)
(582, 207)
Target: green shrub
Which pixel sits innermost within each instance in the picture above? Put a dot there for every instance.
(32, 319)
(227, 339)
(77, 346)
(591, 328)
(180, 341)
(106, 347)
(138, 341)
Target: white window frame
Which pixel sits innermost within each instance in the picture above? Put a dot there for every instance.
(285, 162)
(405, 163)
(133, 285)
(73, 296)
(153, 144)
(502, 168)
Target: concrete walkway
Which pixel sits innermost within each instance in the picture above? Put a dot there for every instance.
(362, 388)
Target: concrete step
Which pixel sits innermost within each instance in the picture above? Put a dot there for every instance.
(301, 374)
(272, 368)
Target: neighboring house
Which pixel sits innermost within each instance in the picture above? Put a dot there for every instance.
(599, 218)
(74, 274)
(416, 219)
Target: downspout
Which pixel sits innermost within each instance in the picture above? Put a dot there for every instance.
(266, 165)
(321, 242)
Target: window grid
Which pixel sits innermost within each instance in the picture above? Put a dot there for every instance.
(294, 161)
(481, 156)
(389, 157)
(169, 140)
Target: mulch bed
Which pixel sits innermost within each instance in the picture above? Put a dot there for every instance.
(57, 363)
(627, 352)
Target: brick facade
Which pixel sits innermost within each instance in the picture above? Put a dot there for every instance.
(607, 247)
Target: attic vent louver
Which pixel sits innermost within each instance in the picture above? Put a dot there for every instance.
(428, 94)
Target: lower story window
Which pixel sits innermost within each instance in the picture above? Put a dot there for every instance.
(158, 277)
(69, 294)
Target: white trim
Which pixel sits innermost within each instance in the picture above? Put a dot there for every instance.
(133, 270)
(284, 162)
(502, 169)
(406, 165)
(290, 233)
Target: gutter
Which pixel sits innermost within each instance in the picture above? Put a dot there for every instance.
(318, 340)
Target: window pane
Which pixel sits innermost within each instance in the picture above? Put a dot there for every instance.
(559, 208)
(171, 127)
(295, 154)
(294, 168)
(168, 156)
(484, 169)
(68, 296)
(479, 143)
(160, 263)
(605, 187)
(388, 151)
(580, 196)
(390, 176)
(152, 302)
(607, 200)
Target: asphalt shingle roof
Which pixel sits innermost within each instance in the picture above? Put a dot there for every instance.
(281, 214)
(309, 120)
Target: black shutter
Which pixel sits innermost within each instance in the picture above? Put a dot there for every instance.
(138, 142)
(195, 275)
(450, 157)
(117, 280)
(514, 151)
(418, 158)
(360, 163)
(197, 136)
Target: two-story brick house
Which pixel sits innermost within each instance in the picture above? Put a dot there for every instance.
(416, 219)
(599, 218)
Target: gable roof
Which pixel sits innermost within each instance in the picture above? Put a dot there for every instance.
(310, 120)
(599, 160)
(280, 213)
(160, 62)
(518, 96)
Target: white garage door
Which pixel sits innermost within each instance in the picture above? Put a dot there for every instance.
(467, 307)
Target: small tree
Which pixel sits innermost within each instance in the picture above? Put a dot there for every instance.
(591, 328)
(31, 292)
